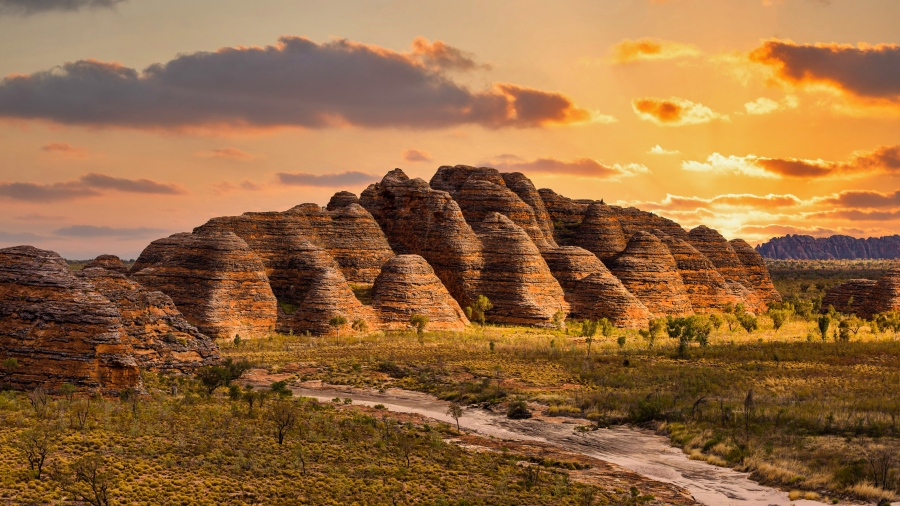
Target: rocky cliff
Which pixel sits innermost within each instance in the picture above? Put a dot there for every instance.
(805, 247)
(406, 286)
(59, 328)
(851, 297)
(648, 270)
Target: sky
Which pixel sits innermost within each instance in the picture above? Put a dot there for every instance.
(123, 121)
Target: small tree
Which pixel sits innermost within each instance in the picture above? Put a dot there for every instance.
(824, 323)
(212, 377)
(40, 402)
(479, 307)
(89, 480)
(283, 415)
(36, 444)
(844, 331)
(779, 317)
(559, 320)
(360, 325)
(68, 391)
(455, 411)
(716, 320)
(336, 322)
(588, 331)
(418, 321)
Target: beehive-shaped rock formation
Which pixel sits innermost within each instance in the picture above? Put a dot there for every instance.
(215, 280)
(312, 290)
(600, 232)
(515, 277)
(341, 199)
(565, 214)
(851, 297)
(634, 220)
(592, 291)
(108, 262)
(421, 221)
(407, 285)
(58, 327)
(483, 191)
(884, 296)
(649, 271)
(757, 274)
(349, 234)
(159, 335)
(721, 253)
(524, 188)
(706, 288)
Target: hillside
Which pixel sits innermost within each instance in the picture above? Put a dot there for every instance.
(836, 247)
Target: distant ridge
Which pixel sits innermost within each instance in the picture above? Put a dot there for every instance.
(836, 247)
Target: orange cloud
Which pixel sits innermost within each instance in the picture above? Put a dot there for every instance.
(674, 111)
(227, 154)
(647, 49)
(864, 72)
(881, 160)
(415, 155)
(89, 185)
(64, 148)
(743, 200)
(442, 56)
(294, 83)
(580, 167)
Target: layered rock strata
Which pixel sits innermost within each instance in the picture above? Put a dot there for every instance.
(58, 328)
(721, 253)
(406, 286)
(600, 232)
(851, 297)
(706, 288)
(341, 199)
(884, 296)
(217, 282)
(649, 271)
(349, 234)
(757, 274)
(160, 337)
(108, 262)
(805, 247)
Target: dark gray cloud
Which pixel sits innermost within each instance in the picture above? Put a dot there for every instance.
(862, 71)
(863, 199)
(89, 185)
(28, 7)
(349, 178)
(18, 237)
(95, 231)
(296, 82)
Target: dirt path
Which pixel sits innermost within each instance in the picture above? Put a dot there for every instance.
(640, 451)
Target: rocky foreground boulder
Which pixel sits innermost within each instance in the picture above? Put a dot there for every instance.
(58, 328)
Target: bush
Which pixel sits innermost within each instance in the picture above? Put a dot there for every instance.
(518, 410)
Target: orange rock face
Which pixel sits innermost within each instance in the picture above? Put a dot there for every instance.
(108, 262)
(706, 288)
(600, 232)
(758, 277)
(215, 280)
(721, 253)
(349, 234)
(515, 277)
(884, 295)
(341, 199)
(160, 337)
(649, 271)
(851, 297)
(407, 285)
(58, 327)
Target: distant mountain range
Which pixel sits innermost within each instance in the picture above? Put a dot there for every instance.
(836, 247)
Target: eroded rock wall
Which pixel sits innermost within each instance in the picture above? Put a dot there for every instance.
(406, 286)
(649, 271)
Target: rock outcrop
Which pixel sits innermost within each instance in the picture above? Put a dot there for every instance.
(108, 262)
(592, 291)
(58, 328)
(649, 271)
(851, 297)
(884, 295)
(515, 277)
(566, 215)
(706, 288)
(217, 282)
(158, 333)
(836, 247)
(421, 221)
(600, 232)
(349, 234)
(406, 286)
(757, 273)
(634, 220)
(721, 253)
(341, 199)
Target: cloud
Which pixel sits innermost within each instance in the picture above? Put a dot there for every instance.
(88, 185)
(763, 105)
(415, 155)
(658, 150)
(864, 72)
(18, 237)
(227, 154)
(674, 111)
(39, 217)
(580, 167)
(350, 178)
(64, 148)
(862, 199)
(629, 51)
(881, 160)
(444, 57)
(772, 230)
(227, 187)
(28, 7)
(95, 231)
(294, 83)
(731, 200)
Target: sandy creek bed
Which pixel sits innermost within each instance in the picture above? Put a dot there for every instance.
(638, 450)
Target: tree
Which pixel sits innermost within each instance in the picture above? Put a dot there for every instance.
(212, 377)
(283, 415)
(39, 401)
(716, 320)
(281, 389)
(476, 311)
(455, 411)
(844, 331)
(418, 321)
(360, 325)
(588, 331)
(67, 390)
(687, 329)
(655, 328)
(36, 444)
(89, 480)
(336, 322)
(745, 319)
(559, 320)
(824, 323)
(854, 324)
(779, 317)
